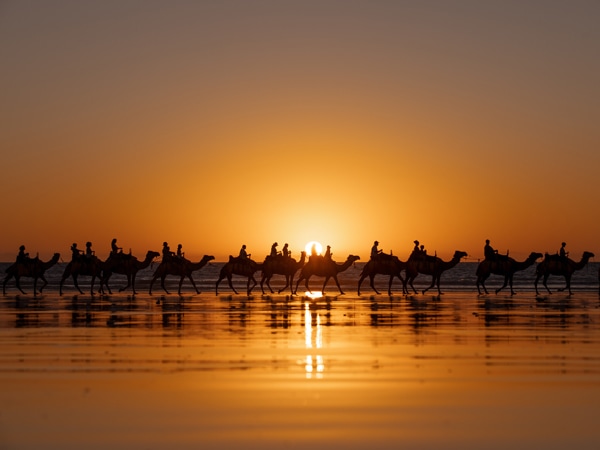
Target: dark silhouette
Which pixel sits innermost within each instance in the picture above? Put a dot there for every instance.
(557, 265)
(82, 265)
(489, 252)
(324, 267)
(166, 252)
(243, 253)
(30, 268)
(562, 252)
(429, 265)
(375, 251)
(385, 265)
(180, 267)
(242, 265)
(114, 248)
(125, 265)
(281, 265)
(503, 265)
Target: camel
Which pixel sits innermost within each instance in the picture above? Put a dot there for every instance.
(83, 265)
(385, 265)
(239, 266)
(324, 267)
(181, 267)
(556, 265)
(31, 268)
(503, 265)
(430, 265)
(127, 265)
(281, 265)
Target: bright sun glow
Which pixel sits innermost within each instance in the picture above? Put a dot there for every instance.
(318, 247)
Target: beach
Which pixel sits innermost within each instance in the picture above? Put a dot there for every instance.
(456, 370)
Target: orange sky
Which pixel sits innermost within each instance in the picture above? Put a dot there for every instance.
(216, 124)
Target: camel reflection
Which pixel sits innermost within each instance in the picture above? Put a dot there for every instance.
(313, 338)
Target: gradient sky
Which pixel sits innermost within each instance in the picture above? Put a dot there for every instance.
(220, 123)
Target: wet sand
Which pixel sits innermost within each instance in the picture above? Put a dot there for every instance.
(206, 371)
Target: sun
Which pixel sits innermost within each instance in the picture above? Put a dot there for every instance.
(309, 247)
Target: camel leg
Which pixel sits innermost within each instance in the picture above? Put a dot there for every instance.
(545, 283)
(262, 280)
(193, 284)
(132, 283)
(76, 284)
(372, 280)
(18, 283)
(269, 285)
(431, 285)
(503, 285)
(287, 283)
(180, 284)
(360, 280)
(306, 284)
(390, 285)
(254, 283)
(324, 284)
(338, 285)
(231, 283)
(295, 291)
(126, 286)
(151, 283)
(410, 282)
(162, 283)
(481, 281)
(8, 277)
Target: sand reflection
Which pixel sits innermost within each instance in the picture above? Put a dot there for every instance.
(313, 338)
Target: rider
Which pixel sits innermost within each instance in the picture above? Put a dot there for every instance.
(274, 249)
(180, 254)
(285, 252)
(243, 253)
(562, 252)
(489, 252)
(328, 253)
(166, 252)
(115, 250)
(22, 257)
(89, 253)
(75, 252)
(375, 252)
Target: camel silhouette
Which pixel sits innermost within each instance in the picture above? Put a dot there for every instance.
(384, 265)
(281, 265)
(430, 265)
(86, 266)
(125, 265)
(239, 266)
(557, 265)
(30, 268)
(324, 267)
(503, 265)
(180, 267)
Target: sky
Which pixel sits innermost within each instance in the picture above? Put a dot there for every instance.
(220, 123)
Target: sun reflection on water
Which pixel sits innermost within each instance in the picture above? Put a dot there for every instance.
(314, 364)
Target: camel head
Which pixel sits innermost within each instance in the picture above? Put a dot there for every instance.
(353, 258)
(534, 256)
(55, 257)
(152, 254)
(459, 255)
(208, 258)
(587, 255)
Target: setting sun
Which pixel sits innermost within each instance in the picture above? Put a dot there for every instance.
(309, 247)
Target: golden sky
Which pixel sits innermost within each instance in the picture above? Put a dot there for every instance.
(220, 123)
